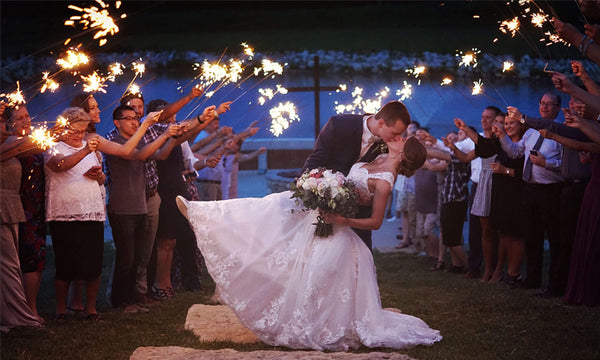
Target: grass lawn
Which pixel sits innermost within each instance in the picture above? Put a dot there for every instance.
(478, 321)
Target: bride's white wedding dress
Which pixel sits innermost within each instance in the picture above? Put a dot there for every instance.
(294, 289)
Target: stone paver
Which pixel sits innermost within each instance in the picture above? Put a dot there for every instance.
(181, 353)
(217, 323)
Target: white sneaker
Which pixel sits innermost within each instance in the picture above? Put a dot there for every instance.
(392, 219)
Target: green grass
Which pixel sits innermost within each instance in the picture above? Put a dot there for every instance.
(478, 321)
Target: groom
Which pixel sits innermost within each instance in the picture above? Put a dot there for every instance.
(347, 139)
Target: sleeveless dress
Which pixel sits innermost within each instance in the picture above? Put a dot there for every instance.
(294, 289)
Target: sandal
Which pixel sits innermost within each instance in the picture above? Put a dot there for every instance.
(94, 317)
(439, 265)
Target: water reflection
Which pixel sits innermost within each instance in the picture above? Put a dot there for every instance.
(434, 106)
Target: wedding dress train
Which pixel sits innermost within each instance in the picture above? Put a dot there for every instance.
(294, 289)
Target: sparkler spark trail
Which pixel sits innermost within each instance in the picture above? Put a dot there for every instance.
(95, 18)
(73, 58)
(94, 83)
(281, 117)
(15, 98)
(477, 87)
(133, 89)
(268, 94)
(49, 84)
(248, 50)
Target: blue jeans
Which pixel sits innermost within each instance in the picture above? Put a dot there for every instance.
(129, 235)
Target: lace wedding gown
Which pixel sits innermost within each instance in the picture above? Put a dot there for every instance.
(294, 289)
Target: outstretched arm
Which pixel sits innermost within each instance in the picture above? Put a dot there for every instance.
(59, 162)
(573, 144)
(174, 107)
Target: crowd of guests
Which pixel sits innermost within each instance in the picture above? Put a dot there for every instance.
(519, 181)
(129, 177)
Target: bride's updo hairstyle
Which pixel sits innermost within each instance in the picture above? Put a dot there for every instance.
(413, 158)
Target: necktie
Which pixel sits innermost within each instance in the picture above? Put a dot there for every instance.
(528, 163)
(373, 151)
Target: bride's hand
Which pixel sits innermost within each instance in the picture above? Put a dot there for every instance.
(332, 218)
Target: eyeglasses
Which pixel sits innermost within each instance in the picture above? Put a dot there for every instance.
(547, 104)
(128, 118)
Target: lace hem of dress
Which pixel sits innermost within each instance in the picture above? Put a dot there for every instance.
(96, 216)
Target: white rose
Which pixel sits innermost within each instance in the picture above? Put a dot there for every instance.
(310, 184)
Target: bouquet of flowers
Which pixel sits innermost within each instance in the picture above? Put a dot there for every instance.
(326, 191)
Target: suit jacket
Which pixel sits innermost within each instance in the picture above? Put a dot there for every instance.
(337, 148)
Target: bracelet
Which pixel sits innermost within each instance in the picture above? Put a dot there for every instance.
(587, 46)
(581, 43)
(199, 121)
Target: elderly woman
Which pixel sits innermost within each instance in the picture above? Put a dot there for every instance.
(15, 310)
(75, 211)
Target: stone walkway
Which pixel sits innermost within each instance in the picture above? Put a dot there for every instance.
(219, 323)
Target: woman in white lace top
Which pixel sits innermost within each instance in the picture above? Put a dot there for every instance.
(297, 290)
(75, 210)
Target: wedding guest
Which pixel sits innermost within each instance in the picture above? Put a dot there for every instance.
(32, 232)
(15, 310)
(426, 204)
(541, 192)
(127, 210)
(75, 211)
(145, 274)
(506, 210)
(576, 175)
(232, 160)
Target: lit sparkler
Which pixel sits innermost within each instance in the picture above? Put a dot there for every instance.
(468, 59)
(42, 138)
(281, 117)
(405, 92)
(93, 83)
(342, 87)
(133, 89)
(73, 58)
(268, 94)
(507, 66)
(15, 98)
(114, 70)
(96, 18)
(416, 71)
(477, 87)
(49, 84)
(269, 67)
(248, 50)
(139, 68)
(538, 19)
(510, 26)
(446, 81)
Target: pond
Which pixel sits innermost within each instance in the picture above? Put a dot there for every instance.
(433, 105)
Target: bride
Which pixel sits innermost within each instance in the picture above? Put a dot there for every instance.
(300, 291)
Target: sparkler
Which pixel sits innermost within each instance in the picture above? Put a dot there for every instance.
(93, 83)
(405, 92)
(538, 19)
(139, 68)
(248, 51)
(268, 94)
(416, 71)
(477, 87)
(510, 26)
(73, 58)
(507, 66)
(49, 84)
(114, 70)
(15, 98)
(42, 138)
(446, 81)
(281, 117)
(468, 59)
(95, 18)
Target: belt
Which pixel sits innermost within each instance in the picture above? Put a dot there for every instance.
(208, 181)
(150, 193)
